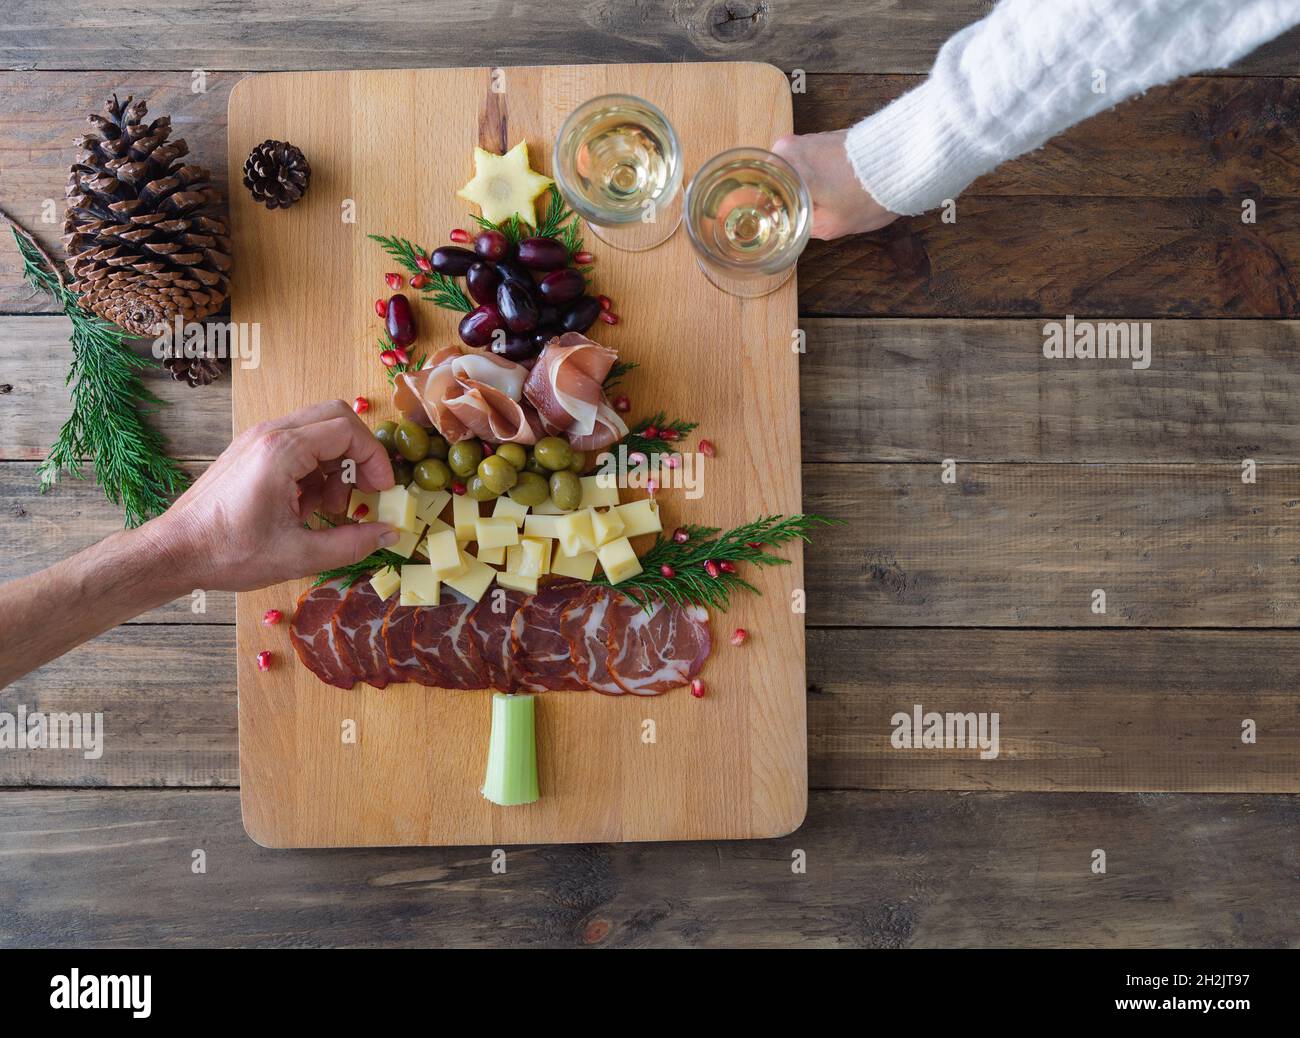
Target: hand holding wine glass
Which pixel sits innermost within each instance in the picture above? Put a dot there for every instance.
(841, 205)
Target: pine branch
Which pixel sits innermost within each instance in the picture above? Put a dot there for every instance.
(654, 448)
(616, 373)
(351, 574)
(445, 293)
(107, 424)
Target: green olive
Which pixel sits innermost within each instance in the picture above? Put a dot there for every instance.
(497, 474)
(384, 433)
(553, 453)
(432, 474)
(566, 490)
(437, 447)
(477, 490)
(513, 453)
(533, 465)
(402, 473)
(411, 441)
(531, 489)
(464, 457)
(578, 463)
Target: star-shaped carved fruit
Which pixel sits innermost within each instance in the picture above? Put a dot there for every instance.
(504, 185)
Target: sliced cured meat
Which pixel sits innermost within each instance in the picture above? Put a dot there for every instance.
(311, 632)
(404, 662)
(490, 414)
(359, 634)
(609, 429)
(541, 654)
(655, 649)
(490, 625)
(566, 386)
(467, 394)
(584, 624)
(444, 644)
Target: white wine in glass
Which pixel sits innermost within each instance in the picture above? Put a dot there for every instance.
(619, 165)
(749, 216)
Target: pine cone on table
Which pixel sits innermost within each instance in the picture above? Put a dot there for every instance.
(277, 174)
(198, 370)
(144, 240)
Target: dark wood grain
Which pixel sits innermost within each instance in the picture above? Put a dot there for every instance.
(1078, 710)
(884, 870)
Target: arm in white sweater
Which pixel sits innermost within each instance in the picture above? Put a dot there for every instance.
(1006, 84)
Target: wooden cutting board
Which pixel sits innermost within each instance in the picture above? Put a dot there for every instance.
(390, 148)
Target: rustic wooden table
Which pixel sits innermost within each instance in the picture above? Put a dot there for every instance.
(1119, 731)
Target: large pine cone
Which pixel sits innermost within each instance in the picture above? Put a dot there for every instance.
(277, 174)
(143, 242)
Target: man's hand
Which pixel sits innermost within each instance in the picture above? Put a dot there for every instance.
(840, 204)
(240, 526)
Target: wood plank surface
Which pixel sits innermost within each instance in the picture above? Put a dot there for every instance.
(870, 391)
(884, 870)
(1147, 196)
(1138, 710)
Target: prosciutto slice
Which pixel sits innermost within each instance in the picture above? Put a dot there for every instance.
(465, 395)
(566, 387)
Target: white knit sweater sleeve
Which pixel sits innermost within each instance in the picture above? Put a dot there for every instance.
(1006, 84)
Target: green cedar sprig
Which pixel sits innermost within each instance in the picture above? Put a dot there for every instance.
(108, 424)
(416, 362)
(616, 373)
(690, 583)
(376, 560)
(443, 292)
(654, 449)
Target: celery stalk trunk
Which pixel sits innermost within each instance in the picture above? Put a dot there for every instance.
(512, 752)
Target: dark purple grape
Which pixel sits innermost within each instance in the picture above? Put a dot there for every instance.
(548, 318)
(477, 326)
(512, 270)
(541, 339)
(400, 321)
(517, 307)
(452, 260)
(562, 286)
(516, 347)
(482, 280)
(492, 245)
(582, 315)
(543, 254)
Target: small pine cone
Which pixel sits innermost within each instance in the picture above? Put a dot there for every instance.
(199, 369)
(277, 174)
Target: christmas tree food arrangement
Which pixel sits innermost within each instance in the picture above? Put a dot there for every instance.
(545, 591)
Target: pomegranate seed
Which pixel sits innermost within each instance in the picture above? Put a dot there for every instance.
(361, 405)
(423, 263)
(671, 461)
(622, 404)
(388, 358)
(361, 512)
(418, 280)
(756, 545)
(381, 307)
(667, 571)
(609, 317)
(605, 302)
(739, 636)
(636, 458)
(697, 688)
(402, 356)
(650, 432)
(263, 660)
(651, 485)
(726, 566)
(711, 568)
(707, 448)
(669, 434)
(583, 258)
(459, 235)
(680, 536)
(272, 617)
(458, 488)
(394, 280)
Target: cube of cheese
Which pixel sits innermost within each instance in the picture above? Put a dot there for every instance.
(363, 497)
(492, 556)
(548, 507)
(541, 548)
(408, 541)
(517, 581)
(464, 514)
(580, 567)
(509, 508)
(434, 527)
(531, 557)
(606, 525)
(640, 517)
(429, 503)
(576, 535)
(419, 586)
(386, 581)
(445, 557)
(397, 506)
(599, 491)
(496, 533)
(546, 526)
(618, 560)
(476, 579)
